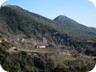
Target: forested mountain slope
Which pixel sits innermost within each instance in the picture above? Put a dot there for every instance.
(74, 28)
(62, 31)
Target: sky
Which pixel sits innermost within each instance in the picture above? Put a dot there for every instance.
(82, 11)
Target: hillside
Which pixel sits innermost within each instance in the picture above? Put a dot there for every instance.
(37, 62)
(30, 25)
(17, 19)
(19, 23)
(74, 28)
(32, 43)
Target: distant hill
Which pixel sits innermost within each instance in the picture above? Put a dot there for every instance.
(74, 28)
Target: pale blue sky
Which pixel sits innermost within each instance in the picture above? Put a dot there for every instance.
(81, 11)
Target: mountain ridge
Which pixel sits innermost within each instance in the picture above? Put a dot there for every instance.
(62, 23)
(69, 24)
(31, 25)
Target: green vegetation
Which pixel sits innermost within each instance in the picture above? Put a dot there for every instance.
(75, 29)
(60, 60)
(65, 58)
(34, 51)
(78, 65)
(25, 62)
(63, 33)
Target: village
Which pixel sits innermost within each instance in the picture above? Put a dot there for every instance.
(36, 46)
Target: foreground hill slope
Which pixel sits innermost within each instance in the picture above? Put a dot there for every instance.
(28, 62)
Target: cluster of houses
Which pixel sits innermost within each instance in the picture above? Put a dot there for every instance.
(64, 52)
(32, 43)
(3, 38)
(21, 41)
(67, 53)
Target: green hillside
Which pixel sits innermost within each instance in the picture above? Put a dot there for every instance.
(74, 28)
(61, 31)
(20, 21)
